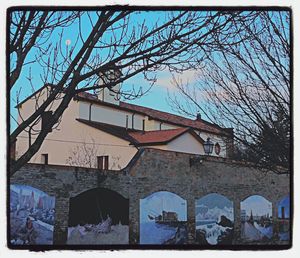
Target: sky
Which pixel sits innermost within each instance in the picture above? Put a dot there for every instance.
(214, 200)
(156, 98)
(156, 202)
(27, 190)
(258, 204)
(285, 202)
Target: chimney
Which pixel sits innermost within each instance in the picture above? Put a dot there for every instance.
(111, 94)
(198, 116)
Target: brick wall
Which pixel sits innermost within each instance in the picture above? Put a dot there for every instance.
(189, 176)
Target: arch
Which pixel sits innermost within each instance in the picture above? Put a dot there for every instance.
(97, 211)
(156, 189)
(163, 219)
(85, 190)
(256, 219)
(283, 218)
(284, 208)
(31, 210)
(214, 220)
(46, 188)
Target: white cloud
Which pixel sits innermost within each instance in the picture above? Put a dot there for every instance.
(165, 78)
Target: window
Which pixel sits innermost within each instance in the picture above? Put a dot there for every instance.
(102, 162)
(46, 116)
(45, 158)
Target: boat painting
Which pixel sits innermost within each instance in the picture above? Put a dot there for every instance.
(163, 219)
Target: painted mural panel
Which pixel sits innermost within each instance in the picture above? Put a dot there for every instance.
(98, 217)
(284, 219)
(31, 216)
(163, 219)
(256, 219)
(214, 220)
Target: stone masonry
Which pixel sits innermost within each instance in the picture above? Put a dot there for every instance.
(151, 170)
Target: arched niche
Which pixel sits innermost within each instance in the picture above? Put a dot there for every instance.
(283, 218)
(32, 214)
(163, 219)
(214, 220)
(98, 216)
(256, 220)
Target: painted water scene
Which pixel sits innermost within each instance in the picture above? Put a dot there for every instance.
(214, 220)
(31, 216)
(98, 217)
(256, 219)
(163, 219)
(284, 219)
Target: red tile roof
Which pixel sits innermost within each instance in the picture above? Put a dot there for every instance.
(139, 137)
(160, 115)
(175, 119)
(162, 136)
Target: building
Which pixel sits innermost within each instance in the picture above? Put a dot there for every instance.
(243, 216)
(99, 130)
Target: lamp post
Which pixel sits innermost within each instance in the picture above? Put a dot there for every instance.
(208, 146)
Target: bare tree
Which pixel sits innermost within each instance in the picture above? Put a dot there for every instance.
(29, 30)
(244, 83)
(124, 40)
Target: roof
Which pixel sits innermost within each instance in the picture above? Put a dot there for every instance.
(141, 138)
(162, 136)
(162, 116)
(118, 131)
(175, 119)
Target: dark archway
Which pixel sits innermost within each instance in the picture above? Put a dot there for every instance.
(93, 206)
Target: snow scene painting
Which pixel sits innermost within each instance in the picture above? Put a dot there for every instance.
(163, 219)
(284, 218)
(98, 217)
(31, 216)
(256, 219)
(214, 220)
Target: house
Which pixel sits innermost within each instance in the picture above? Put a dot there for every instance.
(99, 130)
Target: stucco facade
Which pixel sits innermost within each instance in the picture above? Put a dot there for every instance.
(71, 140)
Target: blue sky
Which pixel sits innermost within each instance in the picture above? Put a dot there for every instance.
(27, 190)
(156, 98)
(214, 200)
(285, 202)
(258, 204)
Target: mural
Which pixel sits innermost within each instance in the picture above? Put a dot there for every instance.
(98, 217)
(214, 220)
(284, 219)
(256, 219)
(163, 219)
(31, 216)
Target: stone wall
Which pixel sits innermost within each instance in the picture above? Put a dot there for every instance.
(152, 170)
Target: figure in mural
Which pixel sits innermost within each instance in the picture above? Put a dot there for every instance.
(163, 219)
(256, 219)
(214, 220)
(284, 219)
(98, 217)
(31, 216)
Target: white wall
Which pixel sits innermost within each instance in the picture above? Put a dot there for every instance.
(110, 115)
(72, 135)
(215, 139)
(185, 143)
